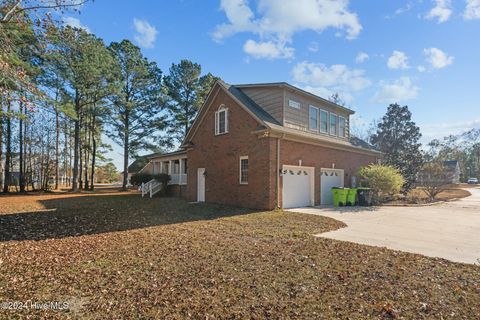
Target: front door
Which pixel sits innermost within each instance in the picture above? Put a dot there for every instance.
(201, 184)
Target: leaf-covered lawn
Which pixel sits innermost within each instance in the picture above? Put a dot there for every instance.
(116, 255)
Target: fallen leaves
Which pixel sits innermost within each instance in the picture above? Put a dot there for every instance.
(116, 255)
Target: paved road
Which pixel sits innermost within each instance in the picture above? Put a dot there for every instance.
(447, 230)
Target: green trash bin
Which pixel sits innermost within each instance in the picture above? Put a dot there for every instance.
(352, 197)
(339, 197)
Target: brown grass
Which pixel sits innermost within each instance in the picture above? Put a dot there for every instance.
(116, 255)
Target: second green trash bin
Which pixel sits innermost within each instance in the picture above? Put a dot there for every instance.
(352, 197)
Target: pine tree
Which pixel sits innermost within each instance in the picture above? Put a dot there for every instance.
(137, 117)
(187, 91)
(398, 137)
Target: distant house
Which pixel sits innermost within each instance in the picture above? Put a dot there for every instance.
(137, 166)
(453, 170)
(264, 146)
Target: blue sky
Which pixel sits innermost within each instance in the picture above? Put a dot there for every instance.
(423, 53)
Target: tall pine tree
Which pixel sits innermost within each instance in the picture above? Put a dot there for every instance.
(398, 137)
(187, 91)
(137, 117)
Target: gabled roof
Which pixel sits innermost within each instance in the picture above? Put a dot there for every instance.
(251, 105)
(138, 164)
(164, 155)
(267, 122)
(361, 143)
(293, 88)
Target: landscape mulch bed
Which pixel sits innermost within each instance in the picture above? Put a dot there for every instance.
(419, 197)
(116, 255)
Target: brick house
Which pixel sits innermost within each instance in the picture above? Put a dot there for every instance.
(265, 146)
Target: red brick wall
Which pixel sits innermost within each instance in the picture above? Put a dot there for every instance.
(321, 157)
(220, 156)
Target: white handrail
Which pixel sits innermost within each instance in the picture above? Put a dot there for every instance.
(151, 187)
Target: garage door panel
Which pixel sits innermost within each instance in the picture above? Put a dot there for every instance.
(330, 178)
(297, 186)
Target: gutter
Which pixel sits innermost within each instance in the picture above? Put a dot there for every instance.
(303, 138)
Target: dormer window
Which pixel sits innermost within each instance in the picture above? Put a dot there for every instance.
(294, 104)
(342, 127)
(333, 124)
(221, 120)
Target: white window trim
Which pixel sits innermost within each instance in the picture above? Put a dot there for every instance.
(222, 108)
(329, 124)
(240, 169)
(344, 127)
(318, 118)
(296, 102)
(320, 121)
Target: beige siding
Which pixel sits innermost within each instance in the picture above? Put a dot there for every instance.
(269, 98)
(298, 118)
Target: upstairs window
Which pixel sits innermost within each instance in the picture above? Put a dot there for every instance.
(244, 170)
(221, 120)
(323, 121)
(313, 118)
(333, 124)
(341, 127)
(294, 104)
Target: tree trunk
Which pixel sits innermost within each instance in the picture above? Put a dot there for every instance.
(65, 153)
(1, 141)
(21, 178)
(80, 155)
(94, 153)
(76, 146)
(125, 151)
(25, 131)
(8, 153)
(87, 153)
(57, 141)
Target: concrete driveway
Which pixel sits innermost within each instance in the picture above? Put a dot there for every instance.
(447, 230)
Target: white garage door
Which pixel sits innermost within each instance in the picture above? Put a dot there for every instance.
(297, 186)
(330, 178)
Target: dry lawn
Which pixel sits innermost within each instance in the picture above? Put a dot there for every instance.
(116, 255)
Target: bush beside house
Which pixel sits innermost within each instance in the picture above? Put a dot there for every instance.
(385, 181)
(139, 178)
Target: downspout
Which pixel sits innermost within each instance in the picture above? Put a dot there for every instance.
(277, 179)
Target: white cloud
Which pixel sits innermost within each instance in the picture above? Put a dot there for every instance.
(277, 21)
(398, 60)
(146, 34)
(401, 10)
(472, 11)
(442, 11)
(440, 130)
(361, 57)
(313, 47)
(325, 80)
(75, 23)
(421, 69)
(437, 58)
(396, 91)
(268, 50)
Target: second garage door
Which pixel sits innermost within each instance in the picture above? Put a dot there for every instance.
(298, 186)
(330, 178)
